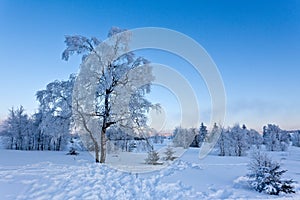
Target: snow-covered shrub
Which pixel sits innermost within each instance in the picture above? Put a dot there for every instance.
(152, 158)
(265, 175)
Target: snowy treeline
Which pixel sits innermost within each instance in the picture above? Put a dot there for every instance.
(236, 140)
(49, 128)
(233, 141)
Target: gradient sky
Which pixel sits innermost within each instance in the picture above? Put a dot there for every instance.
(255, 44)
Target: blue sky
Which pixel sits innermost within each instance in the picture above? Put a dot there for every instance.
(255, 44)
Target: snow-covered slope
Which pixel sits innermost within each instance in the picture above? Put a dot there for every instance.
(54, 175)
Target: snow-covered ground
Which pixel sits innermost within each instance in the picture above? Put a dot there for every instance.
(55, 175)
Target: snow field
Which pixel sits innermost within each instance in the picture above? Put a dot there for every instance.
(54, 175)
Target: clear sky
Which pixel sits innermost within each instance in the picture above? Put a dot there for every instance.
(255, 44)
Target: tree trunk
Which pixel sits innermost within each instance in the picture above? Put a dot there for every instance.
(103, 146)
(105, 125)
(96, 152)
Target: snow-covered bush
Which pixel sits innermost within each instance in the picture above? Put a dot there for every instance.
(152, 158)
(265, 175)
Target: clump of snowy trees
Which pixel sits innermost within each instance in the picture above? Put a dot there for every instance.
(275, 139)
(49, 128)
(236, 140)
(266, 175)
(183, 137)
(17, 130)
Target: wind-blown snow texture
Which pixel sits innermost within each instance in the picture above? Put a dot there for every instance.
(54, 175)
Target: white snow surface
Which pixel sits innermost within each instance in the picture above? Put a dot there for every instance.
(55, 175)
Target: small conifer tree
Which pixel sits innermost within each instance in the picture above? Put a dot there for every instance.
(169, 154)
(265, 176)
(152, 158)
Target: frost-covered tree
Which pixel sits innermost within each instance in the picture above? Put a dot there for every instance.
(213, 133)
(17, 130)
(202, 134)
(238, 140)
(183, 137)
(254, 138)
(266, 176)
(296, 139)
(120, 81)
(275, 139)
(284, 140)
(222, 144)
(55, 114)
